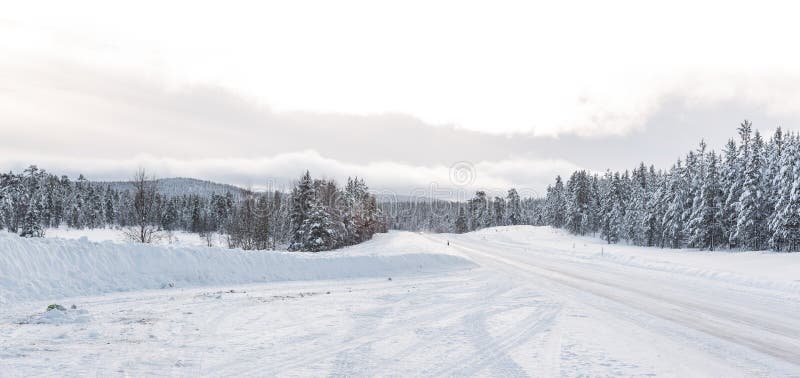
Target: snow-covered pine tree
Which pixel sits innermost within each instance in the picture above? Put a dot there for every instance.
(318, 230)
(657, 208)
(241, 232)
(614, 223)
(4, 198)
(738, 181)
(498, 211)
(514, 207)
(673, 223)
(773, 152)
(784, 226)
(108, 211)
(595, 210)
(788, 231)
(636, 212)
(32, 203)
(30, 224)
(355, 221)
(49, 189)
(555, 204)
(750, 225)
(708, 218)
(695, 175)
(303, 196)
(578, 203)
(374, 221)
(732, 188)
(263, 233)
(461, 226)
(14, 205)
(330, 198)
(478, 211)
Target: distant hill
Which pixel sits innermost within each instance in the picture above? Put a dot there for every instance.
(390, 197)
(177, 186)
(181, 186)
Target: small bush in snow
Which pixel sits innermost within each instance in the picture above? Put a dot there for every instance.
(56, 307)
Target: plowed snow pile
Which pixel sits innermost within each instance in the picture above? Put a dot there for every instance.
(38, 269)
(762, 269)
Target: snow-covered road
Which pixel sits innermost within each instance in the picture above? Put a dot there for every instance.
(540, 304)
(697, 325)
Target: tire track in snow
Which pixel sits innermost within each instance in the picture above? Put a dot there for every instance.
(344, 364)
(437, 312)
(717, 323)
(492, 352)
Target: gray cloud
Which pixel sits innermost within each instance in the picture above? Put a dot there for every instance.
(65, 116)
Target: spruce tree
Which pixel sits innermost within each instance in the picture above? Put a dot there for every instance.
(773, 154)
(615, 213)
(513, 207)
(578, 203)
(750, 224)
(479, 211)
(784, 226)
(708, 223)
(317, 232)
(499, 212)
(732, 184)
(461, 221)
(555, 204)
(109, 212)
(262, 232)
(30, 224)
(675, 201)
(303, 196)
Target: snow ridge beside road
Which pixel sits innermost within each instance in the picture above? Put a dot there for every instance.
(771, 271)
(39, 269)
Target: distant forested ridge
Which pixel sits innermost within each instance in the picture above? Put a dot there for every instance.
(747, 197)
(317, 215)
(481, 211)
(178, 186)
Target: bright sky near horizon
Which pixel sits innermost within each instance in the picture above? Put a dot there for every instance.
(468, 74)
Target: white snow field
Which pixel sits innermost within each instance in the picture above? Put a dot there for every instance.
(52, 268)
(110, 234)
(538, 303)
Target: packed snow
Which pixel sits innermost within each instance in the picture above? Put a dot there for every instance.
(182, 238)
(763, 268)
(36, 268)
(508, 301)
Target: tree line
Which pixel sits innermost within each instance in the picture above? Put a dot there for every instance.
(747, 197)
(317, 215)
(480, 211)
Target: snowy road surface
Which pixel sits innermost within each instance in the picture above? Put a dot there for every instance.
(540, 304)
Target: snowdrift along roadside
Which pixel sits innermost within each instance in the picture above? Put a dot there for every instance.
(758, 269)
(39, 269)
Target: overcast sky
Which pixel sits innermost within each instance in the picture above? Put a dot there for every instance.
(397, 92)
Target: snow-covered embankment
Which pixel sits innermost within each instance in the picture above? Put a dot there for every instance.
(38, 269)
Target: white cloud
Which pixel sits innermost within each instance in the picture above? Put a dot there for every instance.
(544, 67)
(529, 176)
(245, 92)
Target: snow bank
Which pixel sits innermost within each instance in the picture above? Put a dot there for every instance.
(37, 269)
(111, 234)
(761, 269)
